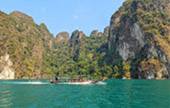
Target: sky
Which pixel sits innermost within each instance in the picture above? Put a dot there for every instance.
(66, 15)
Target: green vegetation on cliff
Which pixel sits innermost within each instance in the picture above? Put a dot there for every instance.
(140, 28)
(135, 45)
(35, 53)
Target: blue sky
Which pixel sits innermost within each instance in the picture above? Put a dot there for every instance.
(66, 15)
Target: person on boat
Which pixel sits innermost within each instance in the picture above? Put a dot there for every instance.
(56, 79)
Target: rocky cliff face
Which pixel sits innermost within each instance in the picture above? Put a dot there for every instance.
(138, 45)
(63, 37)
(76, 39)
(128, 41)
(106, 31)
(6, 70)
(35, 53)
(136, 34)
(77, 35)
(25, 42)
(95, 33)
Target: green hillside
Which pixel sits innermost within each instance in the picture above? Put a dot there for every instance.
(135, 45)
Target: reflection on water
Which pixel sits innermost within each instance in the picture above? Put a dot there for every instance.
(6, 97)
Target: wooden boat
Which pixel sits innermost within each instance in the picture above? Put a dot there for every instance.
(78, 79)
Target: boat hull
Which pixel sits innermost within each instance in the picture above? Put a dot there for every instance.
(76, 83)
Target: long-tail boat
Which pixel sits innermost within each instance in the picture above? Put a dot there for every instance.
(76, 79)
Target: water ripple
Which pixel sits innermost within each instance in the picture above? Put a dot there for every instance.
(114, 94)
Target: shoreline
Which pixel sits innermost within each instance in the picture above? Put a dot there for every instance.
(105, 79)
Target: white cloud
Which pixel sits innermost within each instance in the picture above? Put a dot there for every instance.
(76, 17)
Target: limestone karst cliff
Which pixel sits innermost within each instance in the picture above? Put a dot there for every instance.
(63, 37)
(36, 53)
(135, 45)
(139, 34)
(6, 69)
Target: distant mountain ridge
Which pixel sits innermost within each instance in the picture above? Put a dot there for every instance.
(36, 53)
(135, 45)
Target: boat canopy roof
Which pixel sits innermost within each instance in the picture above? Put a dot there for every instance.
(73, 76)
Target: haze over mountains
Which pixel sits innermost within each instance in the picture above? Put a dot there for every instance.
(135, 45)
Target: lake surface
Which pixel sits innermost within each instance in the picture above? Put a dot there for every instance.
(114, 94)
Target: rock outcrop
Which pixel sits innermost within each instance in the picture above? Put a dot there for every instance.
(76, 42)
(45, 31)
(63, 37)
(133, 37)
(128, 41)
(35, 52)
(6, 70)
(96, 33)
(138, 45)
(77, 37)
(20, 15)
(27, 44)
(106, 31)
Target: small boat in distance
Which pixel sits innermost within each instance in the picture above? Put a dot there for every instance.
(76, 79)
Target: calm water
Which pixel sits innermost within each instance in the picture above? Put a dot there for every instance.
(115, 94)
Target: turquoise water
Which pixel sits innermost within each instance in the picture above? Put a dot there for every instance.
(114, 94)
